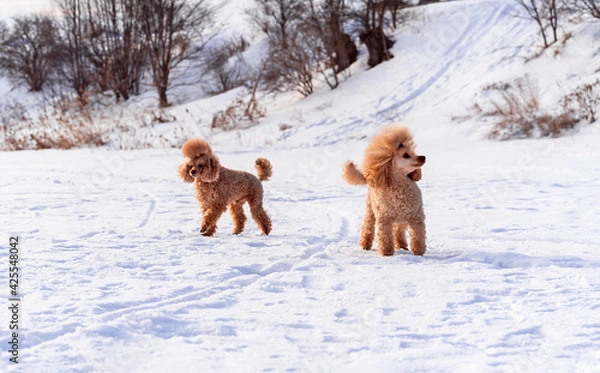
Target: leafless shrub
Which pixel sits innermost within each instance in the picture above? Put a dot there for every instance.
(153, 117)
(238, 115)
(65, 126)
(241, 111)
(584, 102)
(68, 134)
(226, 64)
(516, 112)
(11, 114)
(51, 133)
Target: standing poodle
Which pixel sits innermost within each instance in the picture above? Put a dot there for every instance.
(394, 203)
(218, 188)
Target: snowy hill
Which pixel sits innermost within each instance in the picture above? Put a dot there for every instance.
(116, 277)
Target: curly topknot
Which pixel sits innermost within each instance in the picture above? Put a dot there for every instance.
(380, 153)
(195, 147)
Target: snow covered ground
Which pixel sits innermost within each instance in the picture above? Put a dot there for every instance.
(116, 278)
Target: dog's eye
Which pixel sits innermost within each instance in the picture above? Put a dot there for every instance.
(200, 166)
(400, 146)
(406, 155)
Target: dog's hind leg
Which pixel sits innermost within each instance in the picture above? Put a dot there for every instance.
(260, 215)
(237, 214)
(385, 237)
(367, 231)
(210, 218)
(400, 236)
(417, 237)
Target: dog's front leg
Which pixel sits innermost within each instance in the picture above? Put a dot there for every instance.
(385, 237)
(400, 236)
(209, 220)
(417, 237)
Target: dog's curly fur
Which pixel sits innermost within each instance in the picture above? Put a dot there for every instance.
(219, 188)
(394, 204)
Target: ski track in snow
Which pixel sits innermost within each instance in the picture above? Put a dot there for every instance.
(116, 276)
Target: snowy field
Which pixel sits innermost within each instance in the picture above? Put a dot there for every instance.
(116, 277)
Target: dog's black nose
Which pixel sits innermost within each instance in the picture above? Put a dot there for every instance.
(421, 158)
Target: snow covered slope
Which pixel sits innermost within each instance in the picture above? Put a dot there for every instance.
(115, 276)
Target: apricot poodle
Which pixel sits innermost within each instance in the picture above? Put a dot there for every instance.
(394, 204)
(219, 188)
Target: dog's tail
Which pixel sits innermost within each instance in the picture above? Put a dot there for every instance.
(264, 170)
(352, 174)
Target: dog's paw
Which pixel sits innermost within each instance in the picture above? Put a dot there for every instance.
(207, 231)
(418, 250)
(418, 253)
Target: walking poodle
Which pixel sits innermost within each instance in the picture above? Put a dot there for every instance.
(219, 188)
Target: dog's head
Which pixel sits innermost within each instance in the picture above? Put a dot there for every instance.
(392, 152)
(408, 162)
(201, 163)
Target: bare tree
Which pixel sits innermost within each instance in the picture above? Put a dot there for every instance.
(116, 44)
(288, 64)
(4, 35)
(545, 13)
(76, 69)
(226, 64)
(28, 51)
(291, 68)
(394, 6)
(371, 18)
(333, 48)
(278, 19)
(4, 31)
(591, 6)
(305, 38)
(174, 32)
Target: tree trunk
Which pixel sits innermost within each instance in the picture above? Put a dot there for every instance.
(346, 52)
(378, 45)
(163, 102)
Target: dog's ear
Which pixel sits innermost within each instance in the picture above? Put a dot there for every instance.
(184, 173)
(415, 175)
(211, 169)
(379, 177)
